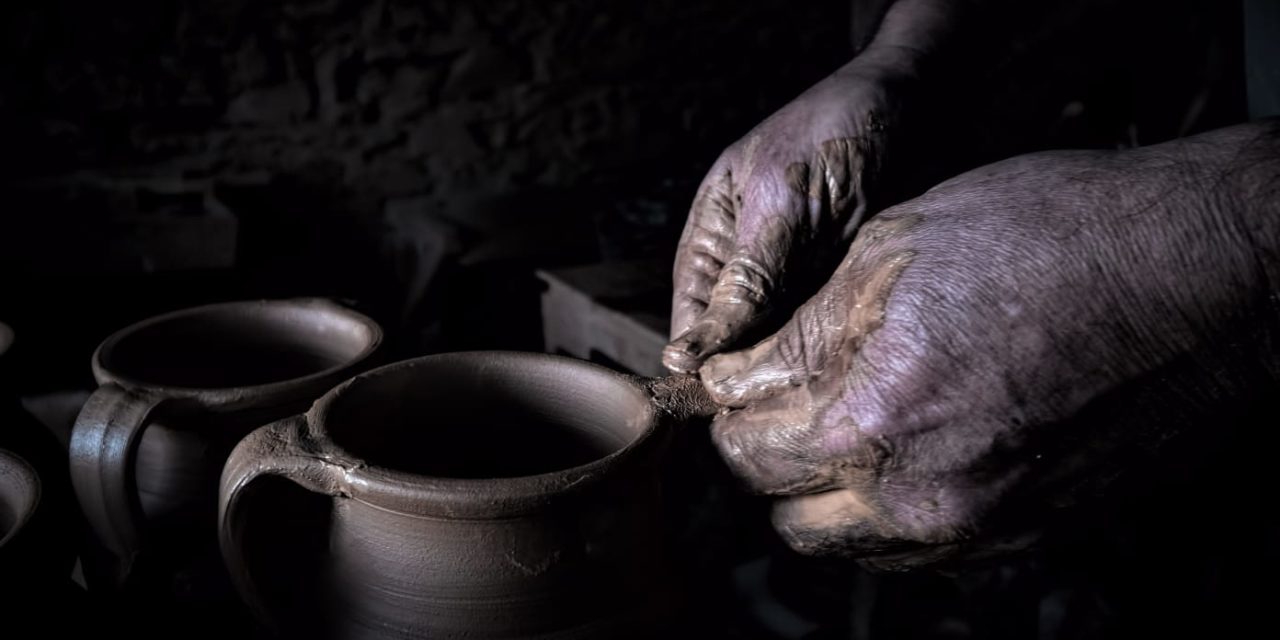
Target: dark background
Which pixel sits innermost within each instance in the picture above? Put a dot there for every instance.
(421, 159)
(351, 145)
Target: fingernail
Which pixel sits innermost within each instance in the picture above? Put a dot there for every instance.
(719, 374)
(683, 355)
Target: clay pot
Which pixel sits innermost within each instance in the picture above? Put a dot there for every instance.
(177, 392)
(38, 520)
(478, 495)
(19, 499)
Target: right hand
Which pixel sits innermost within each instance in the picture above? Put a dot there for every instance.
(1040, 334)
(778, 209)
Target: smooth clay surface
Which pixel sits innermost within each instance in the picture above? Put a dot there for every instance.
(458, 510)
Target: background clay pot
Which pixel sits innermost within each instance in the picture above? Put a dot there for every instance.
(177, 392)
(22, 561)
(38, 517)
(487, 494)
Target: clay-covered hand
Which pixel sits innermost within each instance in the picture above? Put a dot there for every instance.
(778, 206)
(1009, 344)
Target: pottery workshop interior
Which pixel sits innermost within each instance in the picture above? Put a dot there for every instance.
(572, 319)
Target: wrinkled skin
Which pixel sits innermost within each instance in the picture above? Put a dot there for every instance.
(1007, 345)
(780, 206)
(795, 187)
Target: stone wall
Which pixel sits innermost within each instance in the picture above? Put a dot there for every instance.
(421, 158)
(385, 99)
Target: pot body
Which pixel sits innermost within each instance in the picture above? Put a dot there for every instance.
(390, 553)
(592, 568)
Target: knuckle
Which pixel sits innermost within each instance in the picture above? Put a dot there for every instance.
(702, 260)
(729, 441)
(743, 279)
(798, 538)
(933, 519)
(792, 351)
(747, 458)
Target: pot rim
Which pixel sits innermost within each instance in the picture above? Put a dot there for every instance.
(483, 498)
(234, 397)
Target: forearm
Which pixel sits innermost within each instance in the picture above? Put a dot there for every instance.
(1251, 182)
(1209, 210)
(1252, 185)
(943, 37)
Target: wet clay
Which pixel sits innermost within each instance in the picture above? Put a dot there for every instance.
(785, 386)
(825, 332)
(487, 444)
(822, 510)
(866, 314)
(487, 494)
(683, 397)
(732, 268)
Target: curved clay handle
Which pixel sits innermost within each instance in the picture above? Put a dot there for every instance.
(283, 449)
(681, 398)
(103, 446)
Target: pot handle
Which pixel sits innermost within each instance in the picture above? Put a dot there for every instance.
(282, 449)
(680, 398)
(103, 447)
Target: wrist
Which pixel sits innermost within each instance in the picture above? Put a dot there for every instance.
(1200, 223)
(1249, 189)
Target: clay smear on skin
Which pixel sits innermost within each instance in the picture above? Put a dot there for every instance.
(874, 277)
(863, 314)
(824, 510)
(864, 317)
(831, 185)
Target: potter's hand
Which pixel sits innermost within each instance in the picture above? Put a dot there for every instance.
(784, 197)
(1008, 343)
(779, 207)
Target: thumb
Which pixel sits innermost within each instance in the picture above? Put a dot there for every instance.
(832, 324)
(788, 358)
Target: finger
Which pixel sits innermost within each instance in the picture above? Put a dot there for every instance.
(736, 303)
(771, 447)
(836, 185)
(764, 238)
(832, 324)
(829, 522)
(902, 523)
(705, 245)
(779, 214)
(787, 359)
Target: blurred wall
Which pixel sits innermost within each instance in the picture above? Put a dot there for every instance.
(417, 157)
(390, 98)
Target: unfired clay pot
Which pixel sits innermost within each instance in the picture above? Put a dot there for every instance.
(178, 391)
(465, 495)
(19, 499)
(38, 522)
